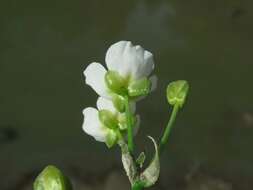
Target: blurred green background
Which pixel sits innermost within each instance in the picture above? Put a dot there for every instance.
(46, 45)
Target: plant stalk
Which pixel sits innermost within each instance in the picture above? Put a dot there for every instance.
(137, 186)
(166, 133)
(129, 126)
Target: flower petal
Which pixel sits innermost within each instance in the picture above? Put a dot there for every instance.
(92, 125)
(153, 80)
(113, 55)
(105, 104)
(95, 77)
(131, 60)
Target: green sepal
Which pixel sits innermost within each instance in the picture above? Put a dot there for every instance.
(151, 174)
(118, 102)
(51, 178)
(111, 138)
(138, 185)
(122, 118)
(141, 159)
(115, 82)
(177, 92)
(122, 121)
(139, 87)
(108, 119)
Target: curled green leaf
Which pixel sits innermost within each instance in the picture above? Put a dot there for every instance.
(151, 174)
(177, 92)
(51, 178)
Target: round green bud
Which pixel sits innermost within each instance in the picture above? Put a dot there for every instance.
(51, 178)
(177, 92)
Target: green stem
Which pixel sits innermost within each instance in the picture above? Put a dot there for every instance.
(137, 186)
(166, 133)
(129, 126)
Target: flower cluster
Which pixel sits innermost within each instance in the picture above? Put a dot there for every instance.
(126, 81)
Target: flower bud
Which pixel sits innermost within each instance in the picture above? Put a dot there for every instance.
(177, 92)
(141, 159)
(51, 178)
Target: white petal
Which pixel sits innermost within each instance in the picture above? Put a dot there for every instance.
(92, 125)
(95, 77)
(113, 55)
(129, 60)
(153, 80)
(103, 103)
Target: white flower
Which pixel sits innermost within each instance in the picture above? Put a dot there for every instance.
(95, 128)
(131, 62)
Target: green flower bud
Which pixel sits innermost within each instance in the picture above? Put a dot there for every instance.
(141, 159)
(177, 92)
(111, 138)
(51, 178)
(108, 119)
(115, 82)
(139, 87)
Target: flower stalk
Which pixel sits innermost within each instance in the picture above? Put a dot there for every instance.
(166, 133)
(137, 186)
(129, 126)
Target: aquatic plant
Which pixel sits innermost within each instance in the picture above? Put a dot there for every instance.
(114, 121)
